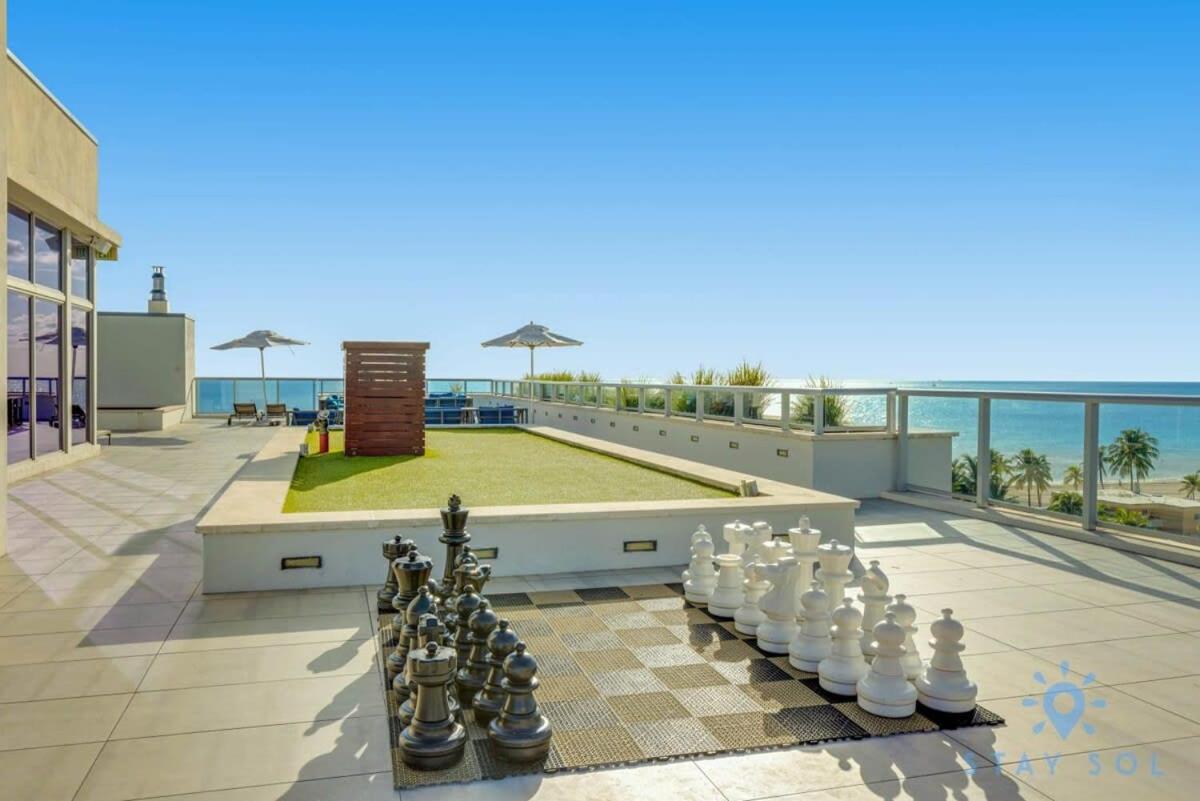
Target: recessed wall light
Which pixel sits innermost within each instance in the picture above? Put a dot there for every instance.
(734, 445)
(781, 452)
(299, 562)
(640, 546)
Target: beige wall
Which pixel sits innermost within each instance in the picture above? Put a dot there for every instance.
(52, 161)
(4, 233)
(145, 360)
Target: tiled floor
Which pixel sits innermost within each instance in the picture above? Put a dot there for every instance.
(118, 680)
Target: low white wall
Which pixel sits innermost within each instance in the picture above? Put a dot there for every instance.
(142, 419)
(852, 465)
(251, 561)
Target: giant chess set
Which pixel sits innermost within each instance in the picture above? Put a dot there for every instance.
(760, 646)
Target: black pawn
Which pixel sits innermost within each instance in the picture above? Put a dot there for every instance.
(521, 733)
(467, 604)
(500, 643)
(472, 675)
(434, 739)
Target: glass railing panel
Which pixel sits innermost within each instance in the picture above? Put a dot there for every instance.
(214, 396)
(683, 402)
(1037, 455)
(608, 397)
(629, 397)
(1151, 462)
(718, 403)
(298, 393)
(574, 393)
(942, 445)
(856, 411)
(250, 390)
(656, 400)
(761, 407)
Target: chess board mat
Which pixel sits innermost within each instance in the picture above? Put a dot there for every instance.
(631, 675)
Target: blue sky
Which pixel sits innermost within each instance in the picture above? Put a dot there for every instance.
(890, 190)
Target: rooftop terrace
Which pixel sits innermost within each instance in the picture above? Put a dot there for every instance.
(120, 680)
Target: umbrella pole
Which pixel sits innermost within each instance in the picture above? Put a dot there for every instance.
(262, 366)
(531, 374)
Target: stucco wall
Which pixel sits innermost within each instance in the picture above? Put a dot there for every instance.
(145, 360)
(850, 465)
(50, 158)
(4, 233)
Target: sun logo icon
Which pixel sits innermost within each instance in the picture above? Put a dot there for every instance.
(1064, 720)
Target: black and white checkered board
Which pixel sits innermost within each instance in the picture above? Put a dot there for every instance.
(636, 674)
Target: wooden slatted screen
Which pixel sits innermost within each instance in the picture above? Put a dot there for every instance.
(385, 398)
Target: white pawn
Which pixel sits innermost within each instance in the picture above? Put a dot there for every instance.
(906, 617)
(811, 643)
(944, 684)
(841, 670)
(701, 533)
(834, 573)
(776, 632)
(874, 599)
(761, 551)
(885, 690)
(702, 575)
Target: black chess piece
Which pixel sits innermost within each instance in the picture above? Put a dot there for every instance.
(467, 604)
(429, 630)
(412, 572)
(500, 643)
(393, 549)
(455, 536)
(434, 739)
(464, 563)
(471, 676)
(406, 640)
(521, 732)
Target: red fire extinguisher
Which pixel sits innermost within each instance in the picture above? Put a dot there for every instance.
(322, 426)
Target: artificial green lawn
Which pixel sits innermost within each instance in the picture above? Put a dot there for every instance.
(485, 467)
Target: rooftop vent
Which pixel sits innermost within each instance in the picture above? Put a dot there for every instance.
(158, 292)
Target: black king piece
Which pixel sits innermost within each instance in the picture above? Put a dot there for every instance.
(455, 536)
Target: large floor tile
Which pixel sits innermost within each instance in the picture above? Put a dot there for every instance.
(1123, 721)
(35, 724)
(977, 604)
(1177, 615)
(1008, 674)
(192, 763)
(204, 610)
(267, 632)
(1111, 592)
(1138, 659)
(1179, 695)
(71, 645)
(741, 777)
(679, 781)
(45, 774)
(42, 682)
(88, 618)
(235, 706)
(949, 581)
(978, 785)
(1165, 771)
(244, 665)
(1045, 629)
(364, 787)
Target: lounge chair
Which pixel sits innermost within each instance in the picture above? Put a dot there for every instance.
(277, 411)
(244, 411)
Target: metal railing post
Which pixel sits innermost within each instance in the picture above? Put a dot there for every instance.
(785, 411)
(983, 461)
(819, 413)
(890, 401)
(699, 393)
(1091, 465)
(641, 391)
(739, 407)
(666, 402)
(901, 443)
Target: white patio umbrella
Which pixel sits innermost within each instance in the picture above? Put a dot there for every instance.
(262, 340)
(532, 336)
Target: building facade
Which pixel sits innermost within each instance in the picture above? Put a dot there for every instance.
(54, 240)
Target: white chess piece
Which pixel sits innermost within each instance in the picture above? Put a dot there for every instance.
(702, 578)
(811, 643)
(840, 671)
(728, 594)
(833, 573)
(737, 536)
(885, 691)
(776, 632)
(756, 584)
(944, 684)
(874, 599)
(906, 617)
(805, 539)
(701, 533)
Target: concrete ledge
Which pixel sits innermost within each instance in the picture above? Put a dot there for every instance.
(246, 533)
(129, 420)
(1172, 550)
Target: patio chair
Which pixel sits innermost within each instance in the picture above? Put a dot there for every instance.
(244, 411)
(277, 412)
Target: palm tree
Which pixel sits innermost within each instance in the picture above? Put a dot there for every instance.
(1031, 471)
(1068, 503)
(1132, 454)
(1190, 485)
(1073, 477)
(965, 472)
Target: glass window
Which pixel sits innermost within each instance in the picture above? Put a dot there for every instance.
(79, 376)
(18, 243)
(18, 373)
(47, 255)
(46, 338)
(79, 270)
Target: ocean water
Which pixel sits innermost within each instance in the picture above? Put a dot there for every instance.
(1052, 428)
